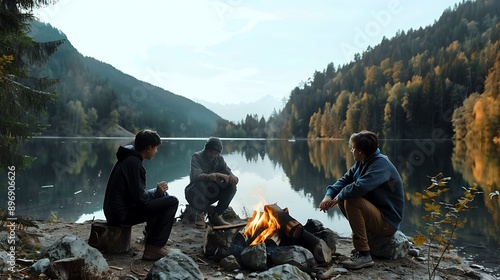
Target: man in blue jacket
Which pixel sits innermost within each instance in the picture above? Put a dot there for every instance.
(370, 195)
(127, 202)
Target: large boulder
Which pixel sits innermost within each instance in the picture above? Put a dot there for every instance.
(72, 246)
(391, 247)
(175, 265)
(284, 272)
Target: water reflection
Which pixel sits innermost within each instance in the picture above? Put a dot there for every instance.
(69, 177)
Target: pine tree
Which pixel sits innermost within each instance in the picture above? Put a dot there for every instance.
(23, 97)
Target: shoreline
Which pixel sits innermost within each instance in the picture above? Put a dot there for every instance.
(189, 240)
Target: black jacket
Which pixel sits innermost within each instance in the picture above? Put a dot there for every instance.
(126, 185)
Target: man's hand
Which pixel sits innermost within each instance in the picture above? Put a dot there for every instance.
(162, 187)
(217, 177)
(233, 180)
(221, 177)
(328, 202)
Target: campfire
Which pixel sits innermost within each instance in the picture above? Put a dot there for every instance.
(272, 225)
(262, 225)
(265, 231)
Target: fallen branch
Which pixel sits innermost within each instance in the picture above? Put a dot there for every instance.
(135, 271)
(229, 226)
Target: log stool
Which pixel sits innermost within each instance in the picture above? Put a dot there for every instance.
(110, 239)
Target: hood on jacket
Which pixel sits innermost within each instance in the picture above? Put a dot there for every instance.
(126, 151)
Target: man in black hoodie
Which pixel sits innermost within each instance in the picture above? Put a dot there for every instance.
(127, 202)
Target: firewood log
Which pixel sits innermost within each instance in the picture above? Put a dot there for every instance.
(318, 247)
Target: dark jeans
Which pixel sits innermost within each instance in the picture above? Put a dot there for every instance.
(159, 215)
(200, 195)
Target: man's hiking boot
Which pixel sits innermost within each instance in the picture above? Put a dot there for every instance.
(153, 253)
(199, 220)
(217, 220)
(214, 218)
(358, 261)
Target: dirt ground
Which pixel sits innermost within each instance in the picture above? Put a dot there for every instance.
(189, 239)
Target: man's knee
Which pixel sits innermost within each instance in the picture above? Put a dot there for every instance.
(357, 202)
(174, 201)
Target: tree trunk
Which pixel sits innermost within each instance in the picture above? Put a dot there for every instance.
(110, 239)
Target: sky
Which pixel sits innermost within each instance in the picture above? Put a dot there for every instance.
(232, 51)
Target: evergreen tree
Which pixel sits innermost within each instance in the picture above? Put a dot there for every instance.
(22, 96)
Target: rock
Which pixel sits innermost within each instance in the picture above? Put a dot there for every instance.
(285, 272)
(392, 247)
(454, 270)
(329, 237)
(73, 246)
(5, 262)
(340, 270)
(414, 252)
(230, 263)
(313, 226)
(295, 255)
(479, 275)
(254, 257)
(421, 259)
(175, 265)
(39, 267)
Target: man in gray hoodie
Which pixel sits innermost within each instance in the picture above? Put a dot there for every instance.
(211, 180)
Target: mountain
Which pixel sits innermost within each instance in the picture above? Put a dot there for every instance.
(264, 107)
(96, 99)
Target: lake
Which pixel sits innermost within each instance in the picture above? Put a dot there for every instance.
(68, 180)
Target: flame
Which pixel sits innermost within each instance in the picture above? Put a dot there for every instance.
(261, 226)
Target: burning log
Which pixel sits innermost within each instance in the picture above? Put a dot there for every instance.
(273, 222)
(240, 239)
(256, 226)
(290, 227)
(273, 240)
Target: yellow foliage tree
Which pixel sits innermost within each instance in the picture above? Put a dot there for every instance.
(443, 218)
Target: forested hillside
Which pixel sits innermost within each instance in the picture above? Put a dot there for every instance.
(96, 99)
(408, 86)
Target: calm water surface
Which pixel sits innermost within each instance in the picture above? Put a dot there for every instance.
(68, 179)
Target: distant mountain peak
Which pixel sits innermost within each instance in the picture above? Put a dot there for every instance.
(236, 112)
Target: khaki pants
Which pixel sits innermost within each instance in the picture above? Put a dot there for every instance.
(362, 216)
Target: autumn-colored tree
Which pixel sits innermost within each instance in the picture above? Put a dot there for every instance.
(443, 218)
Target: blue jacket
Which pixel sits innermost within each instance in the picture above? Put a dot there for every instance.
(376, 180)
